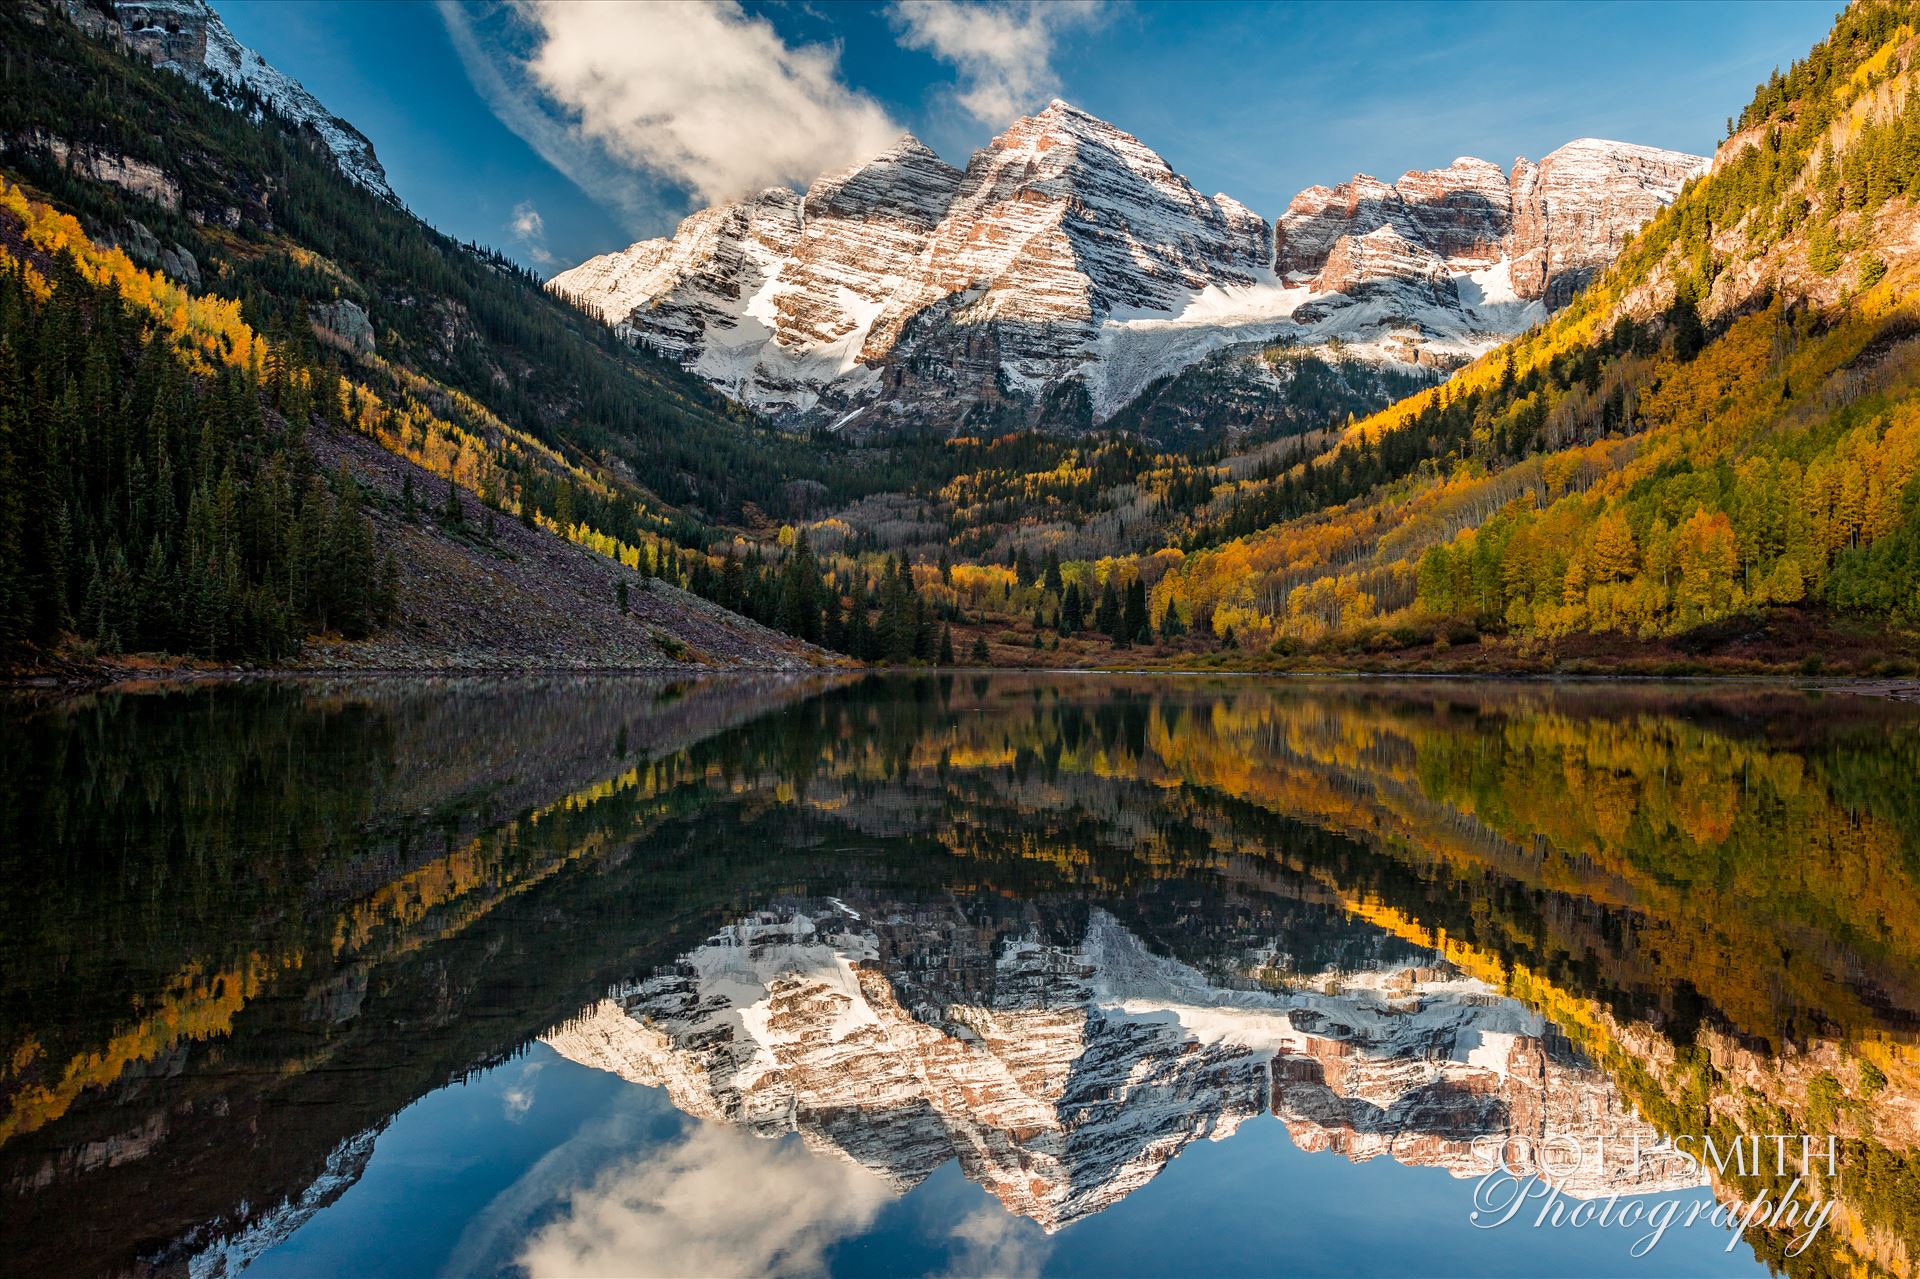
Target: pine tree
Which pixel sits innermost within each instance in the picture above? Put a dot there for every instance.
(1133, 619)
(897, 625)
(1072, 610)
(1106, 615)
(387, 602)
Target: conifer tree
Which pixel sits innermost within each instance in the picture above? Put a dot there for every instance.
(1106, 615)
(1072, 610)
(1133, 619)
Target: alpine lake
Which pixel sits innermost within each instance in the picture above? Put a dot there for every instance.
(959, 974)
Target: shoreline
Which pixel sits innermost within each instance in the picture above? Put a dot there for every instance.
(96, 677)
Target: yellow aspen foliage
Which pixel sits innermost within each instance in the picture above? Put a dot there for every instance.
(1615, 554)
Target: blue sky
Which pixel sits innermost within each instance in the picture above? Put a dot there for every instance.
(563, 131)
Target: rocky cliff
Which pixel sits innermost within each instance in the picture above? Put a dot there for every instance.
(1065, 1076)
(1070, 267)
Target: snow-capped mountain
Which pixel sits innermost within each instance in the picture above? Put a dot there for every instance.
(1064, 1077)
(1069, 258)
(188, 36)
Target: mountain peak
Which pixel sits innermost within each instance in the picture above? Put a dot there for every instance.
(1070, 249)
(1061, 117)
(1627, 152)
(906, 146)
(907, 179)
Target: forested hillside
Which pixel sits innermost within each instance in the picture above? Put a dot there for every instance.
(177, 484)
(1721, 427)
(1725, 423)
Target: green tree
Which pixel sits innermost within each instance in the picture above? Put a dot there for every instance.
(1107, 616)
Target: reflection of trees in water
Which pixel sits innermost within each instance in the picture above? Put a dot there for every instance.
(1714, 894)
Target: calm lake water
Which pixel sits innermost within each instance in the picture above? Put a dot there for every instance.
(957, 975)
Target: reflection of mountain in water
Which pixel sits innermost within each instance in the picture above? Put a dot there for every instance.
(1064, 1077)
(245, 927)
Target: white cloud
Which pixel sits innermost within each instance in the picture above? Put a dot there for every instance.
(489, 38)
(703, 94)
(640, 104)
(1003, 51)
(530, 230)
(721, 1202)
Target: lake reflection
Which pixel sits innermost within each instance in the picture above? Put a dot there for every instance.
(1075, 975)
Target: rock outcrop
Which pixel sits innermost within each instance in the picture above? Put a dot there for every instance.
(345, 324)
(1071, 264)
(1064, 1077)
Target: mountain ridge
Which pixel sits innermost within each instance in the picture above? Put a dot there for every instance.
(188, 37)
(1069, 259)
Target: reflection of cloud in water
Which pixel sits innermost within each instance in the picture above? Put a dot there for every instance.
(991, 1241)
(719, 1202)
(517, 1099)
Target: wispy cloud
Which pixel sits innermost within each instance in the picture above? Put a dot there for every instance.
(703, 98)
(494, 42)
(529, 230)
(705, 95)
(1003, 50)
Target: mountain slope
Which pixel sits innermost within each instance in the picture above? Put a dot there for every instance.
(1070, 267)
(170, 480)
(251, 204)
(187, 36)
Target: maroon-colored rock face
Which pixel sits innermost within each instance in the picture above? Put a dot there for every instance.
(1462, 213)
(906, 290)
(1556, 222)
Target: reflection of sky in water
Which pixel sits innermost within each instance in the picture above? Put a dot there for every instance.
(565, 1170)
